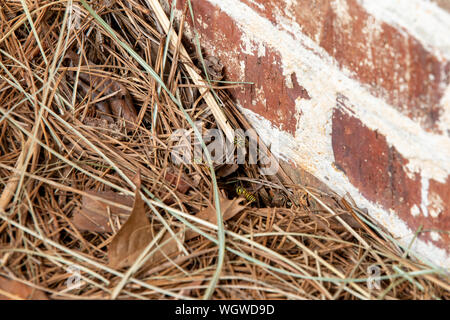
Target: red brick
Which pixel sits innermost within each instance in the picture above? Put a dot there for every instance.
(396, 66)
(371, 165)
(391, 58)
(439, 202)
(377, 170)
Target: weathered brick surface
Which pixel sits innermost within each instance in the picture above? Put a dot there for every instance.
(439, 210)
(393, 64)
(377, 170)
(408, 77)
(444, 4)
(372, 166)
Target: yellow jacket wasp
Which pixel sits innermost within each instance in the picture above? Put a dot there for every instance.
(243, 192)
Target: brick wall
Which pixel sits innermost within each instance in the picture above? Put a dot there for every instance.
(356, 93)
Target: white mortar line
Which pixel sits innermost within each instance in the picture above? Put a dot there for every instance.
(422, 19)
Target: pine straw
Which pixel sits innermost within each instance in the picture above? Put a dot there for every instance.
(55, 149)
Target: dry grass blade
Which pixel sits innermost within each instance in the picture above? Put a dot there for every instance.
(196, 78)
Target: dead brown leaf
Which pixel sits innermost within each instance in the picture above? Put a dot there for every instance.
(120, 104)
(135, 235)
(15, 290)
(229, 209)
(226, 170)
(94, 215)
(181, 182)
(168, 246)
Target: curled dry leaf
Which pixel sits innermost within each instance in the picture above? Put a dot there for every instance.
(95, 215)
(15, 290)
(182, 183)
(120, 104)
(135, 235)
(226, 170)
(167, 247)
(229, 209)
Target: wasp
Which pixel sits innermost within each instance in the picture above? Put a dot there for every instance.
(247, 195)
(240, 142)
